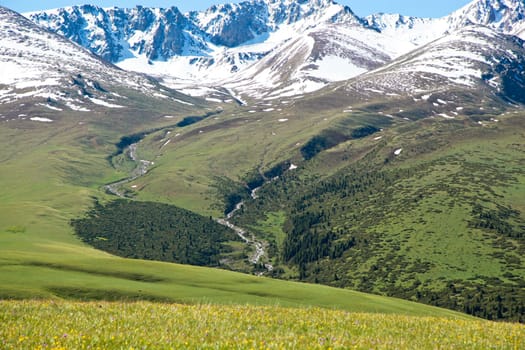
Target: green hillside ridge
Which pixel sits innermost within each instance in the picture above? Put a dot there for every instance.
(52, 176)
(440, 222)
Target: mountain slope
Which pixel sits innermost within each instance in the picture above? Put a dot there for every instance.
(472, 66)
(56, 74)
(504, 16)
(467, 57)
(430, 210)
(227, 40)
(311, 61)
(240, 45)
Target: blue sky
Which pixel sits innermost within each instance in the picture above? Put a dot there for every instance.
(360, 7)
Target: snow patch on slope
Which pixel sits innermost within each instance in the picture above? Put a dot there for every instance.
(40, 119)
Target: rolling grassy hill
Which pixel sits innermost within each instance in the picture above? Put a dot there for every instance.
(54, 176)
(50, 175)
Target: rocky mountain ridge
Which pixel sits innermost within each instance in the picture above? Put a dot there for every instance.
(505, 16)
(441, 78)
(55, 74)
(263, 48)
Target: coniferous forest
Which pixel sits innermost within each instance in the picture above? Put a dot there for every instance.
(357, 229)
(154, 231)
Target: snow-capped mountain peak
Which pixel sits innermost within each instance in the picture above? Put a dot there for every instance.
(472, 58)
(39, 65)
(507, 16)
(234, 24)
(116, 34)
(280, 46)
(222, 41)
(287, 12)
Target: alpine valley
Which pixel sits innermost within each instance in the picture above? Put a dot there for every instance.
(269, 142)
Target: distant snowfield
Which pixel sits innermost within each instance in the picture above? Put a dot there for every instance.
(336, 68)
(290, 65)
(50, 107)
(104, 103)
(40, 119)
(77, 108)
(287, 68)
(21, 76)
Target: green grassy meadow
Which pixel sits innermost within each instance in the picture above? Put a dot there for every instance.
(142, 325)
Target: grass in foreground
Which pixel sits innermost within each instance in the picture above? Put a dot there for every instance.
(101, 325)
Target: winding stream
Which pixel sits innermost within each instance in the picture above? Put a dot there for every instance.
(251, 240)
(141, 169)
